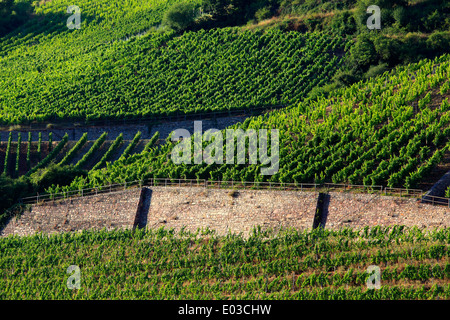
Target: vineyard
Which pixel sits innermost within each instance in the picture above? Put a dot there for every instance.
(26, 158)
(48, 73)
(356, 110)
(161, 264)
(391, 130)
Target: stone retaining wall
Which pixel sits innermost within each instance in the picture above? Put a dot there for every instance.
(225, 210)
(114, 210)
(360, 210)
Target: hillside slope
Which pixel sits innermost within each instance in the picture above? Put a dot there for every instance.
(51, 73)
(392, 130)
(161, 264)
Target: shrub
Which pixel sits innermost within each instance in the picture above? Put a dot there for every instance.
(180, 16)
(7, 156)
(152, 141)
(29, 151)
(432, 21)
(343, 23)
(69, 155)
(11, 190)
(345, 78)
(376, 70)
(363, 53)
(109, 152)
(88, 155)
(55, 174)
(50, 156)
(439, 42)
(262, 14)
(19, 143)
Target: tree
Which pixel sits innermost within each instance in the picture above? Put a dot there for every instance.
(5, 15)
(386, 6)
(13, 15)
(439, 42)
(180, 16)
(388, 49)
(218, 8)
(232, 11)
(363, 53)
(6, 7)
(11, 190)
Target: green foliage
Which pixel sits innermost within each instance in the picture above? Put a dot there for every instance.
(362, 54)
(29, 151)
(131, 146)
(343, 23)
(11, 190)
(13, 15)
(19, 143)
(345, 78)
(72, 152)
(312, 6)
(263, 13)
(50, 141)
(152, 141)
(88, 155)
(184, 265)
(39, 146)
(377, 70)
(366, 133)
(55, 174)
(439, 42)
(112, 148)
(180, 16)
(195, 72)
(387, 9)
(7, 154)
(50, 157)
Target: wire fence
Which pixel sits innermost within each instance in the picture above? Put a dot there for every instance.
(255, 185)
(434, 200)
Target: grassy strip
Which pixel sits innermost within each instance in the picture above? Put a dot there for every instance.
(131, 146)
(152, 141)
(8, 149)
(39, 146)
(88, 155)
(72, 152)
(29, 151)
(50, 156)
(19, 142)
(112, 148)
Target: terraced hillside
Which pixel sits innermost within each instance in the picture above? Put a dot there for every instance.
(161, 264)
(392, 130)
(81, 154)
(51, 73)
